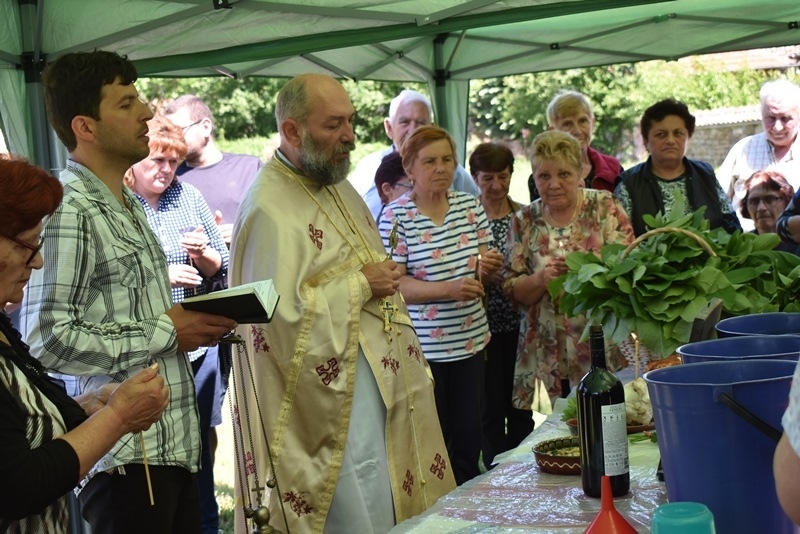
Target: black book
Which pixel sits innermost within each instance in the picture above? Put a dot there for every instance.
(248, 303)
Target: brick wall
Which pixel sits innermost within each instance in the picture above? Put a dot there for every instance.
(711, 143)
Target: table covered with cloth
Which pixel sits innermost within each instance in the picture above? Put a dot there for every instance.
(516, 496)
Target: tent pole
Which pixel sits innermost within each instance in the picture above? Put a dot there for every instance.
(33, 61)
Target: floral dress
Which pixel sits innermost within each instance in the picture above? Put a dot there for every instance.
(601, 220)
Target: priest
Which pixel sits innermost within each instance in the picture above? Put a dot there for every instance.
(336, 425)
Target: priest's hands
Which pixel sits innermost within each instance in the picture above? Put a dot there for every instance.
(383, 278)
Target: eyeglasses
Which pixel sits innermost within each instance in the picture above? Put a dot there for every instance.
(34, 249)
(768, 200)
(186, 128)
(403, 184)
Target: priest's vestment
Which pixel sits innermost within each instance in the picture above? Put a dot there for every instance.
(312, 242)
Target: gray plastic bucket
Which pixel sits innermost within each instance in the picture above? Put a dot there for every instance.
(742, 347)
(710, 453)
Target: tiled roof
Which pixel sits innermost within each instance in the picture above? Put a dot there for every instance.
(737, 115)
(761, 58)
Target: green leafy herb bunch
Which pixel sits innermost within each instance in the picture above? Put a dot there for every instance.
(657, 286)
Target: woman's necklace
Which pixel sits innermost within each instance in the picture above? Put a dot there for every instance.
(548, 218)
(561, 229)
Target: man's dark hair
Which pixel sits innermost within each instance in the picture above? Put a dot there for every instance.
(73, 85)
(659, 111)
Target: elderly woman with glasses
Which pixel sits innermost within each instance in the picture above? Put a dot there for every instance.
(48, 440)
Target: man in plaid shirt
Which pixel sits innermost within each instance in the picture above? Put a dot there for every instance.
(776, 148)
(102, 310)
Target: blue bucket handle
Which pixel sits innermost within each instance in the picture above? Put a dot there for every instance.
(748, 416)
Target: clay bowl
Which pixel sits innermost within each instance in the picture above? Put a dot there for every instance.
(553, 463)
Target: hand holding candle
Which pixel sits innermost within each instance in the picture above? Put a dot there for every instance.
(488, 265)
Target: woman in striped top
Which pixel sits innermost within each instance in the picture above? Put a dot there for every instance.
(48, 441)
(441, 236)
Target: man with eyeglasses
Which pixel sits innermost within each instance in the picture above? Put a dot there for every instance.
(408, 111)
(776, 148)
(223, 179)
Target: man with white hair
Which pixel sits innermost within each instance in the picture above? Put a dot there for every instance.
(776, 148)
(408, 111)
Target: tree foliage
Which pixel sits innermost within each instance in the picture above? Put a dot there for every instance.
(241, 108)
(504, 107)
(500, 108)
(246, 108)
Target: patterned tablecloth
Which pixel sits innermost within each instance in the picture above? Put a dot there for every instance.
(516, 497)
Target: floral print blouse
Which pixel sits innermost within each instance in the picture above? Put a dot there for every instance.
(601, 220)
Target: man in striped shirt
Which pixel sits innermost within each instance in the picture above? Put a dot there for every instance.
(101, 310)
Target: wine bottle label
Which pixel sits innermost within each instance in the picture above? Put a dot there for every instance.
(615, 439)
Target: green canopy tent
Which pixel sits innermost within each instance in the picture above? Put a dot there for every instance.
(443, 43)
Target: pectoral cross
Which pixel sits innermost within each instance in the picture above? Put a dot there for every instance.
(387, 307)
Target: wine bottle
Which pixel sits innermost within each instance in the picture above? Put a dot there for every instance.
(602, 430)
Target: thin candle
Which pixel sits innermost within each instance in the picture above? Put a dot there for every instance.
(146, 469)
(478, 268)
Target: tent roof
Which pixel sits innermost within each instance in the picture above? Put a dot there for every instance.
(376, 39)
(442, 42)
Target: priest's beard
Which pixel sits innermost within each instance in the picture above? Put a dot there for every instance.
(317, 163)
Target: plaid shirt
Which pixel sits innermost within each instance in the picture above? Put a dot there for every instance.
(182, 208)
(751, 154)
(96, 311)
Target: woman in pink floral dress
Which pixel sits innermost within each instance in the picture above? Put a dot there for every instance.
(567, 218)
(441, 234)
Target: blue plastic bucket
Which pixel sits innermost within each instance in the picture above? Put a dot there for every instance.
(760, 323)
(742, 347)
(710, 454)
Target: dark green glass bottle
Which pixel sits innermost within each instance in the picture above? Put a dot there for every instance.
(601, 424)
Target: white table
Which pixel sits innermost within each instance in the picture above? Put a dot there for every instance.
(516, 497)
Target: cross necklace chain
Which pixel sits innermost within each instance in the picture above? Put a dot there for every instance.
(387, 307)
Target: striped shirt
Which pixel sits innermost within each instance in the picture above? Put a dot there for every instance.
(448, 330)
(182, 209)
(791, 417)
(97, 310)
(43, 423)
